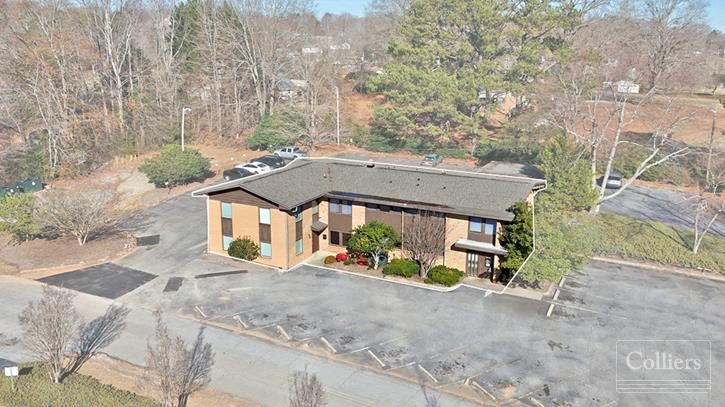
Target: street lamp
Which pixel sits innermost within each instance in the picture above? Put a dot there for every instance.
(183, 114)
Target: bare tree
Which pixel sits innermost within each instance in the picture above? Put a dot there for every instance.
(82, 214)
(174, 370)
(49, 329)
(98, 334)
(424, 239)
(305, 390)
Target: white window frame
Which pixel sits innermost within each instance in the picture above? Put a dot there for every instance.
(472, 221)
(265, 216)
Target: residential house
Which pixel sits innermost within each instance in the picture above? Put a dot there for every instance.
(314, 204)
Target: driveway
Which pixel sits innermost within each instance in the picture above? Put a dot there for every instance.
(466, 339)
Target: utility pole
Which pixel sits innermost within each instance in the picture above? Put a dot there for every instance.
(183, 115)
(337, 103)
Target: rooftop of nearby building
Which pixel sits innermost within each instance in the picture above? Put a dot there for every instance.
(450, 191)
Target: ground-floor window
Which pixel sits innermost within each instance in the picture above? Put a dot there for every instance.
(298, 247)
(265, 249)
(339, 238)
(226, 241)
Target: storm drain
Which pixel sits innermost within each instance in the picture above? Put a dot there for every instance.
(173, 284)
(149, 240)
(223, 273)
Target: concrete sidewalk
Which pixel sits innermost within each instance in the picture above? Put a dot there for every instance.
(245, 367)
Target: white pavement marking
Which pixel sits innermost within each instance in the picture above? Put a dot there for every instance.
(239, 288)
(561, 282)
(537, 402)
(283, 332)
(244, 324)
(332, 348)
(427, 373)
(476, 385)
(198, 309)
(358, 350)
(556, 294)
(391, 340)
(551, 309)
(353, 401)
(377, 359)
(402, 366)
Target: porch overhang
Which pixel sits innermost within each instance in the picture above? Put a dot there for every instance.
(479, 247)
(318, 226)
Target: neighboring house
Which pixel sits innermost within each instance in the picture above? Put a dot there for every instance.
(621, 86)
(291, 89)
(314, 204)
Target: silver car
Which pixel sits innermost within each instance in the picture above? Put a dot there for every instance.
(291, 153)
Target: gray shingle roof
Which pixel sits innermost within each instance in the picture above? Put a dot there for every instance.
(452, 191)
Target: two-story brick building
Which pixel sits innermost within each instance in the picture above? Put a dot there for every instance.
(314, 204)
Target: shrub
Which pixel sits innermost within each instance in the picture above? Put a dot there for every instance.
(361, 261)
(16, 217)
(349, 261)
(243, 248)
(341, 257)
(519, 149)
(276, 131)
(175, 167)
(330, 259)
(443, 275)
(373, 239)
(401, 267)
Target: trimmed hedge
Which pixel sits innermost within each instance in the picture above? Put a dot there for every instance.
(401, 267)
(243, 248)
(443, 275)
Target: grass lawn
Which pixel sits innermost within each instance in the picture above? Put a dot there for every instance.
(33, 388)
(565, 241)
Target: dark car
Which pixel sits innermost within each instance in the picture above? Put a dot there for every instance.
(236, 173)
(431, 160)
(272, 160)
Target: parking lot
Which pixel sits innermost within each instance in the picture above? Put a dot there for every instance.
(498, 347)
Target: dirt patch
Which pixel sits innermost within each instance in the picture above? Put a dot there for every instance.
(128, 377)
(47, 257)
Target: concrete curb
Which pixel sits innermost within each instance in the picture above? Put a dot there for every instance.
(388, 280)
(659, 267)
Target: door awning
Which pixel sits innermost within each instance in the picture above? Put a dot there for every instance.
(318, 226)
(479, 247)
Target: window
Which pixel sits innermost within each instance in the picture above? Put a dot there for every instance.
(298, 247)
(316, 209)
(265, 216)
(475, 224)
(335, 238)
(226, 210)
(372, 207)
(265, 249)
(385, 208)
(346, 208)
(298, 235)
(226, 241)
(298, 214)
(345, 238)
(334, 206)
(490, 227)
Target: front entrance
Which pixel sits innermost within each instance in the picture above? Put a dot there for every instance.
(315, 242)
(478, 265)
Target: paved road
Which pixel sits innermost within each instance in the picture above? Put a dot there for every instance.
(245, 367)
(660, 205)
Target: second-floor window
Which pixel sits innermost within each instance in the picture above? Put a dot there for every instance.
(343, 207)
(475, 225)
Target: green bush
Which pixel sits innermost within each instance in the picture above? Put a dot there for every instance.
(522, 149)
(16, 217)
(330, 260)
(243, 248)
(275, 131)
(401, 267)
(374, 240)
(175, 167)
(34, 389)
(350, 260)
(447, 276)
(518, 238)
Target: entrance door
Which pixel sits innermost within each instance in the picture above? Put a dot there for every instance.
(478, 265)
(315, 242)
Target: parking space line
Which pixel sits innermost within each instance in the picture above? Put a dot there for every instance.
(358, 350)
(332, 348)
(198, 309)
(391, 340)
(402, 366)
(283, 332)
(476, 385)
(377, 359)
(427, 373)
(561, 282)
(238, 319)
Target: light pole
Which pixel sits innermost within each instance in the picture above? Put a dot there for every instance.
(337, 111)
(183, 115)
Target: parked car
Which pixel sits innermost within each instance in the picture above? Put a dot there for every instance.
(291, 153)
(236, 173)
(255, 168)
(431, 160)
(273, 161)
(614, 181)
